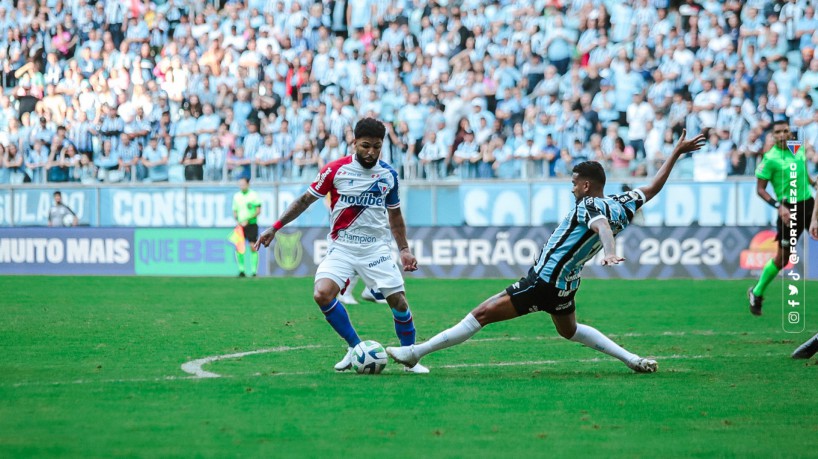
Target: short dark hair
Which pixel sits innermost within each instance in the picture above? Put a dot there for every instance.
(783, 121)
(57, 193)
(370, 127)
(590, 170)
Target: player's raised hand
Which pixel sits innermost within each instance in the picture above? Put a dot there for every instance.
(265, 238)
(688, 146)
(813, 229)
(611, 260)
(408, 260)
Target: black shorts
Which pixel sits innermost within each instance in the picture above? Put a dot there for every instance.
(251, 232)
(802, 219)
(532, 294)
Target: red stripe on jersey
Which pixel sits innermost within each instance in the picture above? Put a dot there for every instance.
(346, 218)
(325, 181)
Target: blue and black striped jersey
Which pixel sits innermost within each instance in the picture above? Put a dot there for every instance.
(573, 243)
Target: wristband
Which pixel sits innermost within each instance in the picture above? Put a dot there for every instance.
(774, 203)
(404, 248)
(278, 225)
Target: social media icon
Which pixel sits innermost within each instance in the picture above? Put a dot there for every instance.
(794, 303)
(793, 290)
(793, 317)
(794, 275)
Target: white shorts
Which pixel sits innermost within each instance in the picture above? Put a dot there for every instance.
(377, 269)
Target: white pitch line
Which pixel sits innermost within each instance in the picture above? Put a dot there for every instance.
(194, 367)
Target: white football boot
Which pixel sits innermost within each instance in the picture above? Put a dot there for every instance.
(345, 363)
(347, 298)
(417, 369)
(640, 365)
(405, 355)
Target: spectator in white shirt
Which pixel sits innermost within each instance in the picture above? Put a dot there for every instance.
(638, 114)
(432, 157)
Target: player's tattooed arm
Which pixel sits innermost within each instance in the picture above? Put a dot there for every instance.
(398, 227)
(296, 208)
(601, 227)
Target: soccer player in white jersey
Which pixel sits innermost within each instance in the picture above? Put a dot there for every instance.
(365, 217)
(552, 282)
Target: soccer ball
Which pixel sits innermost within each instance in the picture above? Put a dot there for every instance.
(369, 357)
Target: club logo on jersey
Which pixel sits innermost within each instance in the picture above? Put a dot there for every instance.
(589, 201)
(288, 250)
(794, 146)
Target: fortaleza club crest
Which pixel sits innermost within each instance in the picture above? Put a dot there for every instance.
(794, 146)
(288, 250)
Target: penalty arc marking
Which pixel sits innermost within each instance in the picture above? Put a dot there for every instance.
(194, 367)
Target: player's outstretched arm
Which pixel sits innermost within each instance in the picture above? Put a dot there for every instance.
(296, 208)
(398, 227)
(601, 227)
(682, 147)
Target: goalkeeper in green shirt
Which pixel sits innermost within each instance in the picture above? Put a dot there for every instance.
(246, 208)
(787, 172)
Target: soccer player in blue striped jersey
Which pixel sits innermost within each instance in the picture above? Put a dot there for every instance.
(553, 281)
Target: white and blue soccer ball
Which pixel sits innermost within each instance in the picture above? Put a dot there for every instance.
(369, 357)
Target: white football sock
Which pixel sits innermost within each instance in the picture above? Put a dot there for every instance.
(594, 339)
(464, 330)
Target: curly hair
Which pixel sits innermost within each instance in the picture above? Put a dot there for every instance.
(370, 127)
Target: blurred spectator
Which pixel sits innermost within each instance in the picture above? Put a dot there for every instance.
(621, 157)
(193, 160)
(155, 160)
(60, 214)
(13, 165)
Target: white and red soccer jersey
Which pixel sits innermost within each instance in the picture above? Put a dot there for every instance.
(359, 199)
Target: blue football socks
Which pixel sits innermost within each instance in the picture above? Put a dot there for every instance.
(337, 316)
(404, 326)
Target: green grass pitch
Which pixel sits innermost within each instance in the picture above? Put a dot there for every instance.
(91, 367)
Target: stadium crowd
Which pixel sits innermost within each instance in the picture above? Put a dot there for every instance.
(180, 90)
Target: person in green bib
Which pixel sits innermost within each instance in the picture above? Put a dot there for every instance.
(246, 208)
(786, 171)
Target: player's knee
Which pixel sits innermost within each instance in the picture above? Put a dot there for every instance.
(322, 296)
(778, 260)
(567, 332)
(482, 313)
(397, 301)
